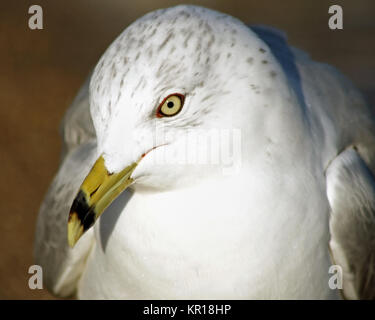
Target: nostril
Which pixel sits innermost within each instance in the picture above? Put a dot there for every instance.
(92, 193)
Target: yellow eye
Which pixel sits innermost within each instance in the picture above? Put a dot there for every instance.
(171, 105)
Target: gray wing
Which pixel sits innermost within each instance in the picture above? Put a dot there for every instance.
(62, 266)
(77, 127)
(351, 194)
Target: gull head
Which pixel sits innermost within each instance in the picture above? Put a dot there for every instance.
(173, 81)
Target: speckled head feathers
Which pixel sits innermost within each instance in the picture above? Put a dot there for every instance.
(213, 59)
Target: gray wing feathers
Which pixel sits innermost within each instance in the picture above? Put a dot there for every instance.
(77, 127)
(61, 265)
(351, 194)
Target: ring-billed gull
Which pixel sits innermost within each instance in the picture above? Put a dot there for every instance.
(195, 230)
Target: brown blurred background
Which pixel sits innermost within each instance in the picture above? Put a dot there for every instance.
(41, 71)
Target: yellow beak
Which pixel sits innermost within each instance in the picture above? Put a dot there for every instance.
(96, 193)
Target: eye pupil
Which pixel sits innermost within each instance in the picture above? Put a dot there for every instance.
(170, 104)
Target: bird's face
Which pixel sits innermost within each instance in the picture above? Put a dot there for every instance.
(168, 85)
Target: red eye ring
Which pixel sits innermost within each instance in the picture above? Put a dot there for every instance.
(160, 114)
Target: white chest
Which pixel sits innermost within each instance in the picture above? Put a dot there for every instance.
(233, 241)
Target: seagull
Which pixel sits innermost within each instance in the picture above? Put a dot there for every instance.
(138, 210)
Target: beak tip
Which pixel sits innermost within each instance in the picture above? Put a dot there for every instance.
(75, 229)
